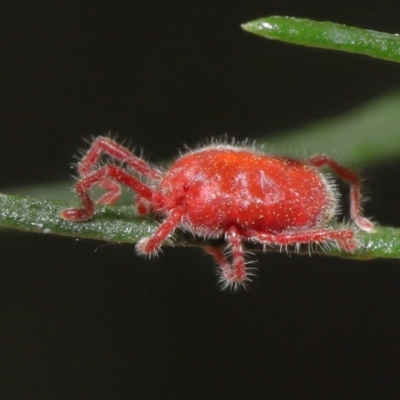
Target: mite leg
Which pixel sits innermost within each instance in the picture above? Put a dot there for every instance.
(104, 145)
(113, 192)
(105, 174)
(233, 274)
(355, 194)
(151, 245)
(345, 238)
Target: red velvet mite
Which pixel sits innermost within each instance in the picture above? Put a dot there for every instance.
(226, 191)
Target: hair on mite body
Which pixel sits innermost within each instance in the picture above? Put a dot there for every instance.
(225, 190)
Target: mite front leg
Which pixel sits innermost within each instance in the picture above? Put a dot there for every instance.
(104, 174)
(104, 145)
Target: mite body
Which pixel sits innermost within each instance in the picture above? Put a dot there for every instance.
(226, 191)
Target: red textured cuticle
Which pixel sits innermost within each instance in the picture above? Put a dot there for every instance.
(228, 187)
(228, 191)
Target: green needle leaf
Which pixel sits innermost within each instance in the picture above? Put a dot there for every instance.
(122, 225)
(328, 35)
(114, 224)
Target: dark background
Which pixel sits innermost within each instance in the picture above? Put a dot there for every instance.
(83, 320)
